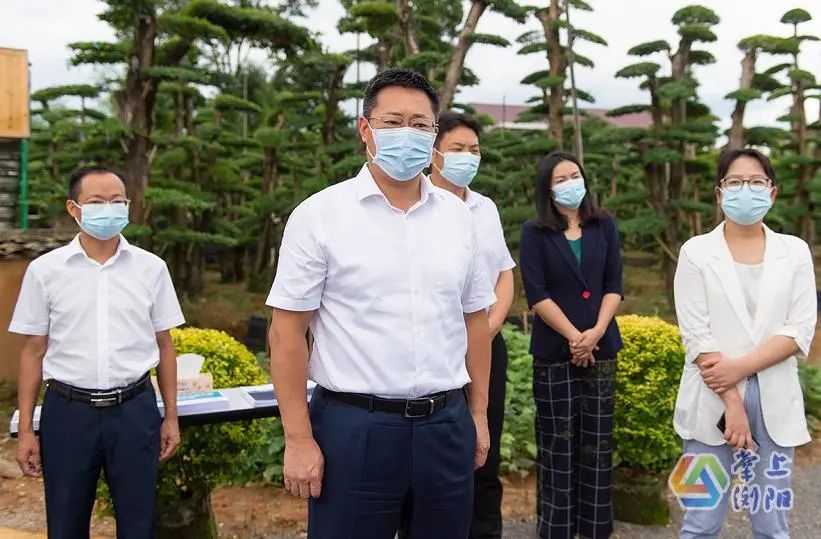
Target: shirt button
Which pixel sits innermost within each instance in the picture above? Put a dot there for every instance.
(586, 294)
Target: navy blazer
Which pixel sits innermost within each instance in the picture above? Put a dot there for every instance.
(550, 270)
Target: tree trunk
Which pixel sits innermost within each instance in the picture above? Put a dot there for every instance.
(187, 518)
(557, 61)
(384, 54)
(457, 57)
(332, 105)
(737, 129)
(139, 96)
(407, 26)
(806, 223)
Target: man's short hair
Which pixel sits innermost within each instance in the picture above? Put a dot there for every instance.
(76, 178)
(451, 120)
(402, 78)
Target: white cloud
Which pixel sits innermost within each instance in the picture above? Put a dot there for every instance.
(45, 27)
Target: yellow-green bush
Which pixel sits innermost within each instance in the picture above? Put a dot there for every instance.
(212, 455)
(647, 379)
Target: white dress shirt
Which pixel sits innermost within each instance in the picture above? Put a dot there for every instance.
(714, 316)
(101, 320)
(389, 288)
(493, 251)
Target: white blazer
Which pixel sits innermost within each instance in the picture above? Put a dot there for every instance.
(713, 317)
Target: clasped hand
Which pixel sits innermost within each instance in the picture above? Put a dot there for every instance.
(721, 373)
(583, 346)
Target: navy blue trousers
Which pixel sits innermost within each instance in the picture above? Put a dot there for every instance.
(77, 441)
(384, 471)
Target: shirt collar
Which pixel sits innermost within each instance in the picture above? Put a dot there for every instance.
(75, 248)
(366, 187)
(472, 199)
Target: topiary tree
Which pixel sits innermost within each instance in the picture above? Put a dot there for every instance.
(211, 455)
(645, 444)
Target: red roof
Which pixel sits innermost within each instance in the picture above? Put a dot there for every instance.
(508, 113)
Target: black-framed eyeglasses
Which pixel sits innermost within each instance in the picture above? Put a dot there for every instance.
(756, 183)
(395, 121)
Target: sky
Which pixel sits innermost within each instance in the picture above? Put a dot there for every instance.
(45, 27)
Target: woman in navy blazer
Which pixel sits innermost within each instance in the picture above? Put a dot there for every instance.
(572, 271)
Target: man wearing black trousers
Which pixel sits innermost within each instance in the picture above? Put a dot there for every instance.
(384, 268)
(96, 314)
(456, 158)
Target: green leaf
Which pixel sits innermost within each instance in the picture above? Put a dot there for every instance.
(781, 92)
(681, 89)
(695, 15)
(588, 36)
(765, 83)
(534, 77)
(160, 198)
(745, 95)
(179, 74)
(641, 69)
(580, 4)
(660, 156)
(98, 52)
(488, 39)
(697, 32)
(74, 90)
(651, 47)
(701, 58)
(536, 46)
(530, 37)
(191, 28)
(232, 102)
(550, 81)
(582, 60)
(776, 68)
(796, 16)
(800, 75)
(629, 109)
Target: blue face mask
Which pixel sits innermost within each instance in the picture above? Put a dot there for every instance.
(459, 168)
(570, 194)
(103, 221)
(402, 152)
(745, 206)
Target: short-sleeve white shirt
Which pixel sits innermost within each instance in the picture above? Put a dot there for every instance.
(101, 320)
(390, 289)
(493, 251)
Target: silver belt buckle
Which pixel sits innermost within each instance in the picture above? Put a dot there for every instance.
(104, 400)
(409, 415)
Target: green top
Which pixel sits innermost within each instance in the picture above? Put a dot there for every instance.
(576, 247)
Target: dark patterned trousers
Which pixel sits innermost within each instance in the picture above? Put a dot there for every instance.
(574, 435)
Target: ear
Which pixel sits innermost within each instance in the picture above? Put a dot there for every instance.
(774, 193)
(719, 196)
(438, 160)
(73, 210)
(366, 135)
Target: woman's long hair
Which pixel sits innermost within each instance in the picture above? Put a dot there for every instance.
(547, 214)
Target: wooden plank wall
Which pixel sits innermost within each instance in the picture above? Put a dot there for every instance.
(14, 93)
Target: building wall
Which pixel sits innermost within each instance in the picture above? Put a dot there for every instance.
(11, 276)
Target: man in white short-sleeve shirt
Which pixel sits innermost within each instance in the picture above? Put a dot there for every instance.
(96, 314)
(384, 268)
(456, 158)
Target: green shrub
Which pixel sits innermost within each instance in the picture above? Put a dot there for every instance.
(518, 446)
(213, 455)
(647, 380)
(810, 377)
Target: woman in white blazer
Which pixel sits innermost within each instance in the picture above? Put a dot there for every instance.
(746, 306)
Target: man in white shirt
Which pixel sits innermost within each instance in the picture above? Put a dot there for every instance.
(384, 270)
(96, 314)
(456, 158)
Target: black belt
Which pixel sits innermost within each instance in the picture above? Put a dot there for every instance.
(410, 408)
(99, 398)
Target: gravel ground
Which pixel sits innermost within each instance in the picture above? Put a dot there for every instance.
(805, 519)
